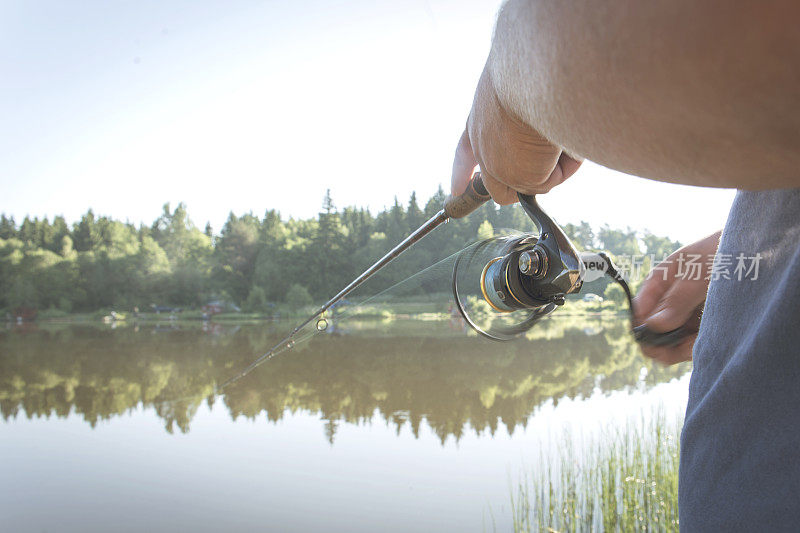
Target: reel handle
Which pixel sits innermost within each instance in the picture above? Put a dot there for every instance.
(471, 199)
(641, 333)
(645, 335)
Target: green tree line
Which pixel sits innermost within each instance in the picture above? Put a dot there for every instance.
(102, 263)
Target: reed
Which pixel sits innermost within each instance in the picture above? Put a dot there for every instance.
(621, 479)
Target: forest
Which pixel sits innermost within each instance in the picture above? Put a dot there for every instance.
(254, 262)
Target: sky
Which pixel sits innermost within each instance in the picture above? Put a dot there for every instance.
(248, 106)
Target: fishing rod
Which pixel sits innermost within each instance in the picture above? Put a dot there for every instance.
(504, 285)
(454, 207)
(459, 206)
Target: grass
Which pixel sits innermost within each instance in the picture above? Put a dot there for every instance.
(623, 480)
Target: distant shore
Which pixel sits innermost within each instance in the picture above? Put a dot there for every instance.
(404, 310)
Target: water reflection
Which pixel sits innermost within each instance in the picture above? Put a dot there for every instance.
(404, 371)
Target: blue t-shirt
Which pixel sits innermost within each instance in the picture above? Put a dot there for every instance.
(740, 446)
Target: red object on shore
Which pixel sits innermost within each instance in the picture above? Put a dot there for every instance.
(213, 309)
(26, 314)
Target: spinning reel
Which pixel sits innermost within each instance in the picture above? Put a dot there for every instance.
(504, 285)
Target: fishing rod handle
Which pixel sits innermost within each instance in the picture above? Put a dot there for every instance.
(471, 199)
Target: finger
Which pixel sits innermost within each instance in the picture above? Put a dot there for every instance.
(525, 166)
(569, 165)
(501, 193)
(565, 167)
(670, 355)
(676, 306)
(464, 165)
(654, 287)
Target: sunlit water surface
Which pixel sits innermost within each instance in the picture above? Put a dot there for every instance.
(391, 426)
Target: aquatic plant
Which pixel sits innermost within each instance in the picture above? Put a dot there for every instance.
(621, 479)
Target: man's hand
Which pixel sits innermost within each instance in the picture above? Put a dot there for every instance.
(669, 299)
(512, 155)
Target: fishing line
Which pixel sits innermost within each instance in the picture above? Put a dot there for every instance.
(308, 331)
(502, 286)
(441, 269)
(459, 206)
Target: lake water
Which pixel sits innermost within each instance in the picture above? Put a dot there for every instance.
(402, 425)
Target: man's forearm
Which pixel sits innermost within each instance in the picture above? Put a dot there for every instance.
(704, 93)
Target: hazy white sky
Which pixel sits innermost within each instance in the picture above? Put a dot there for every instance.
(246, 106)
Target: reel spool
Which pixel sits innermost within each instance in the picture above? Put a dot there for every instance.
(504, 285)
(479, 309)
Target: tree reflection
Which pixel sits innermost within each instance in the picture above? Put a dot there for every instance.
(405, 371)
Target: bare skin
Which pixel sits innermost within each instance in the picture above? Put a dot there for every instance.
(699, 93)
(670, 298)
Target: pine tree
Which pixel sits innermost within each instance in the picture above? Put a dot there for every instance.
(60, 230)
(27, 231)
(85, 233)
(328, 254)
(8, 228)
(414, 215)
